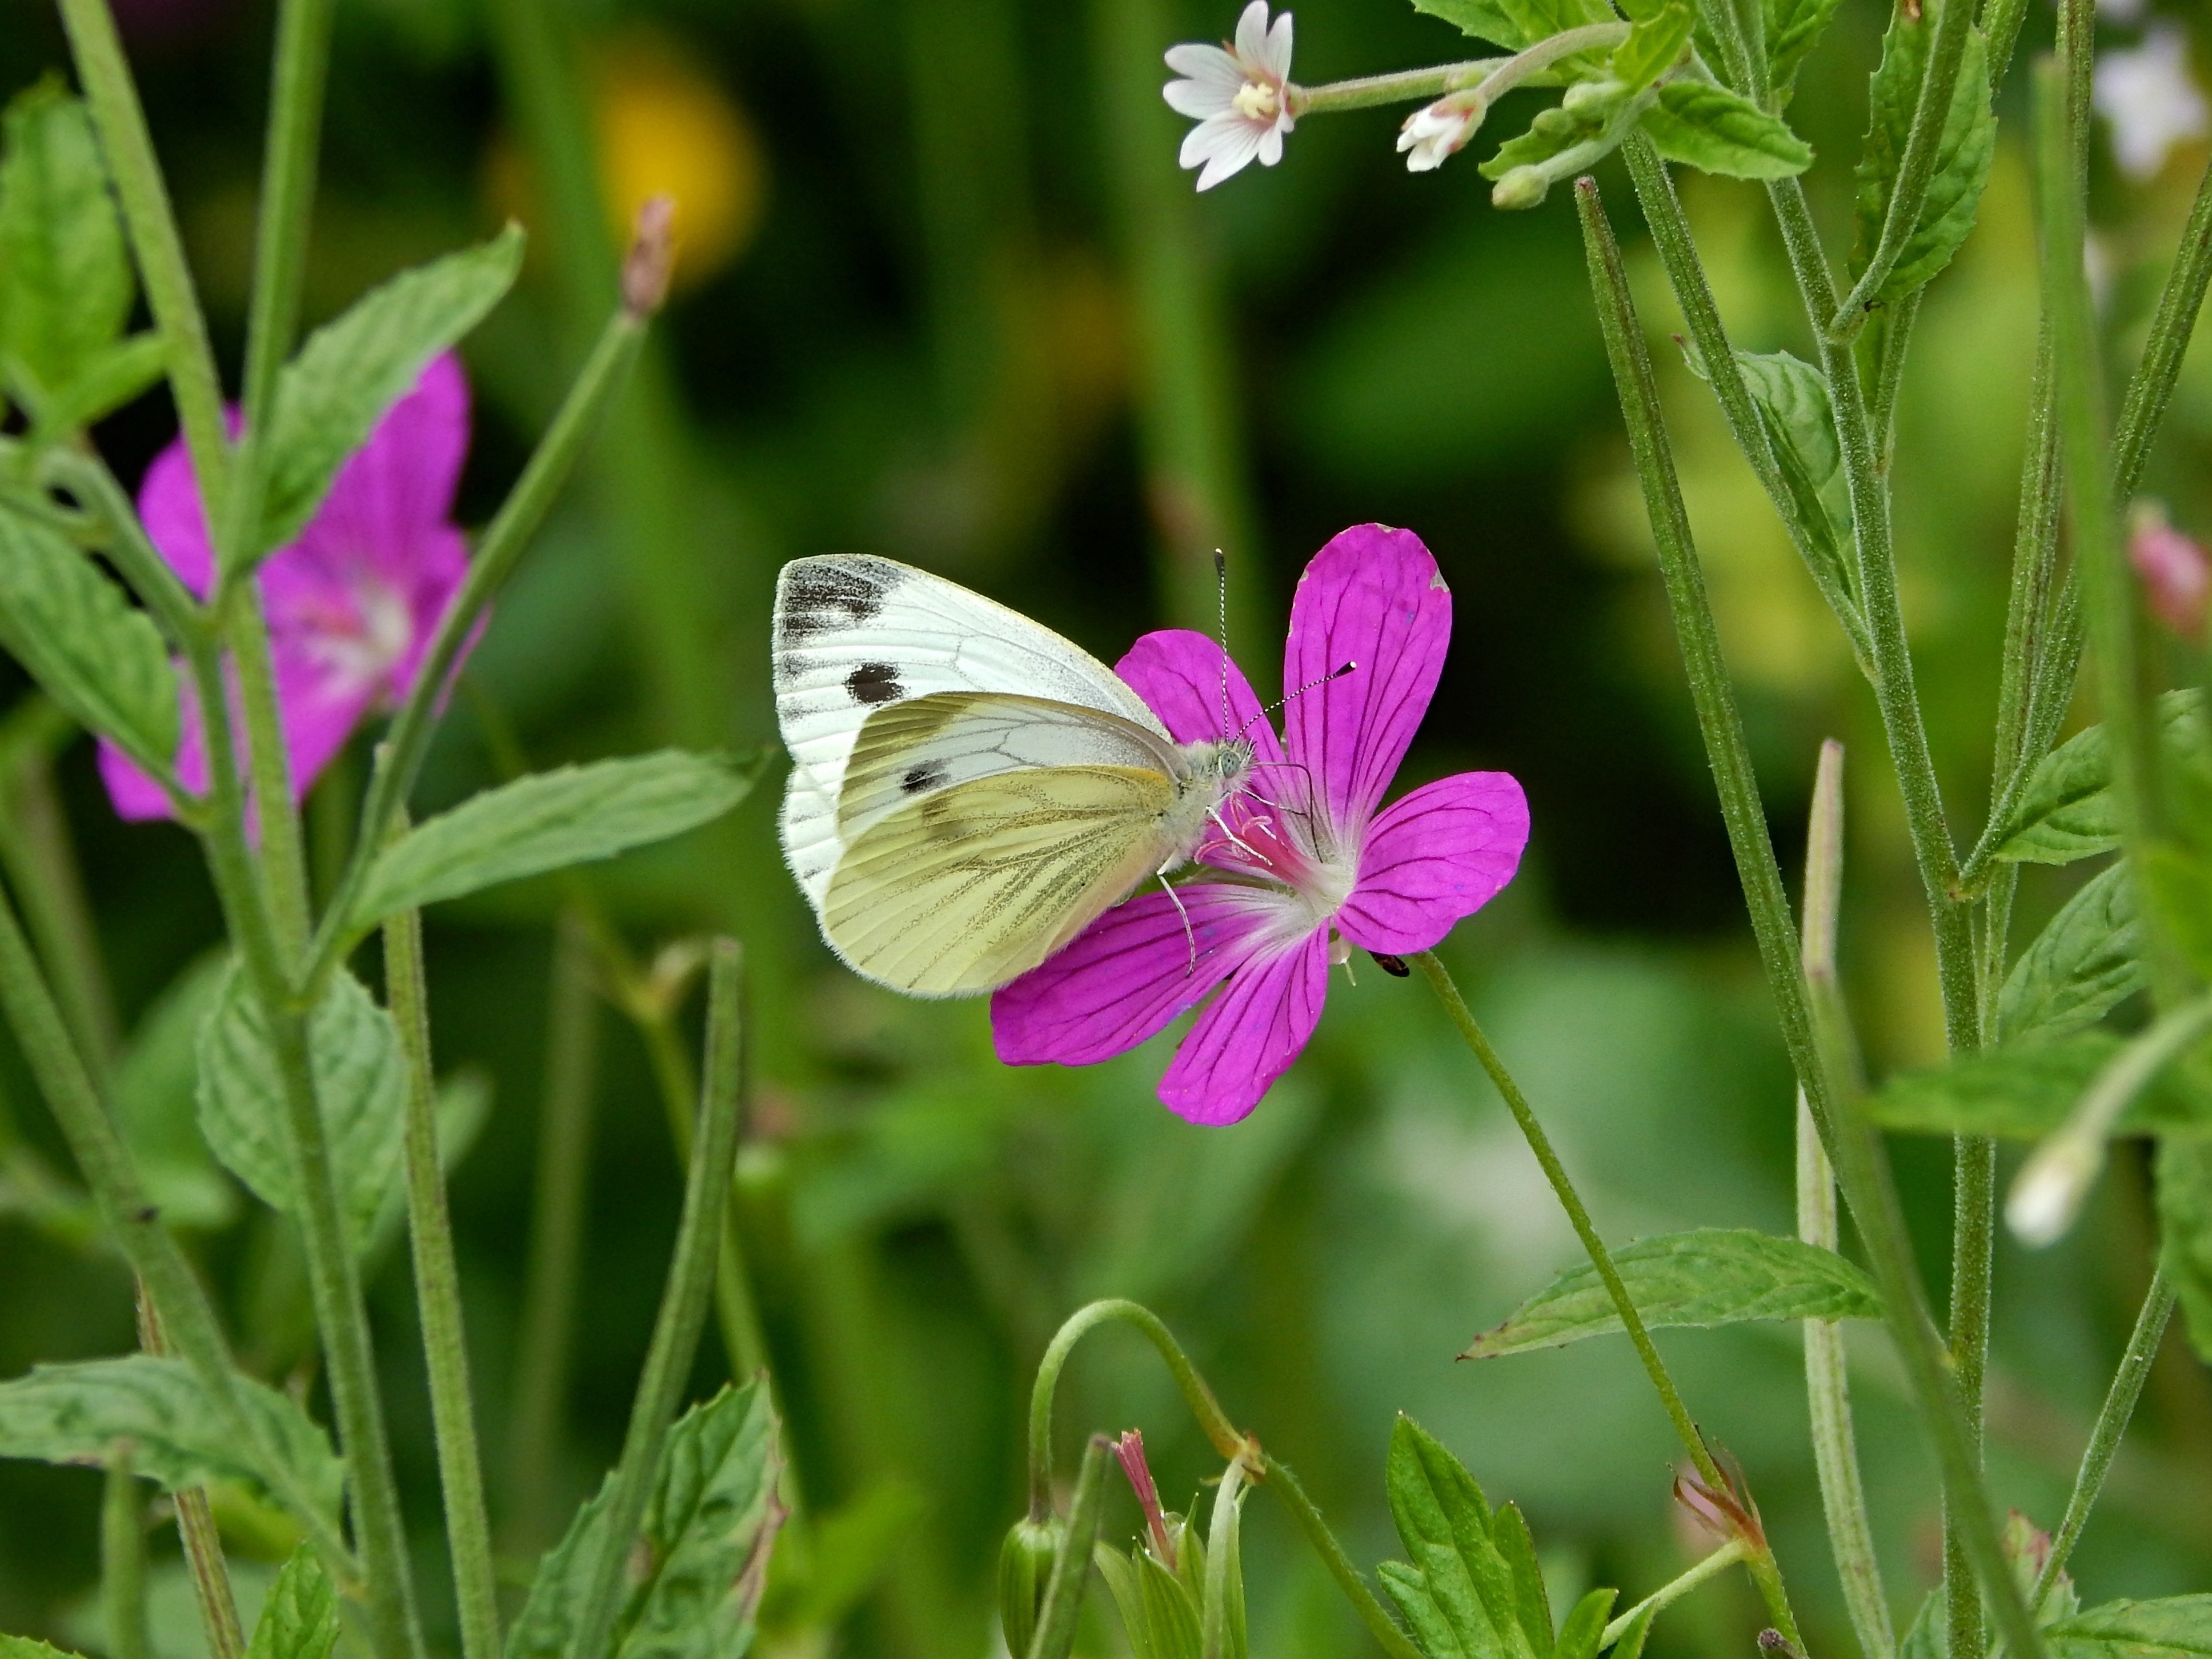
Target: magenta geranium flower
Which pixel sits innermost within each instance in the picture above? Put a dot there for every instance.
(352, 603)
(1309, 868)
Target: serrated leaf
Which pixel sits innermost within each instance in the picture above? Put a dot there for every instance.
(2066, 810)
(360, 1086)
(300, 1620)
(2023, 1091)
(1703, 126)
(157, 1101)
(331, 395)
(2185, 1225)
(25, 1647)
(72, 1414)
(1654, 45)
(707, 1535)
(2085, 961)
(1962, 156)
(1793, 28)
(1585, 1627)
(65, 281)
(549, 821)
(1516, 24)
(2174, 1627)
(1458, 1594)
(81, 639)
(1712, 1276)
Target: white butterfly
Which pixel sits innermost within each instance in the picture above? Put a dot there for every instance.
(969, 790)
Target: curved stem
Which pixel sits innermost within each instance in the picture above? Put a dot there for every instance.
(1226, 1438)
(1674, 1589)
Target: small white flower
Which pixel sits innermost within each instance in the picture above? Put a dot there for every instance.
(1438, 130)
(1239, 94)
(2151, 98)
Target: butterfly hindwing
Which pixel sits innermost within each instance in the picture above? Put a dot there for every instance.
(962, 890)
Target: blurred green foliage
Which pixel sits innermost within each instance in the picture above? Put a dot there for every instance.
(927, 336)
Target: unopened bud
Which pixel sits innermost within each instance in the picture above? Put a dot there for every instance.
(2176, 577)
(1591, 101)
(1130, 1448)
(1437, 131)
(651, 257)
(2047, 1194)
(1556, 122)
(1024, 1571)
(1523, 188)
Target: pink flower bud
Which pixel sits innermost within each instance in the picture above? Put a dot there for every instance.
(2176, 577)
(651, 257)
(1130, 1448)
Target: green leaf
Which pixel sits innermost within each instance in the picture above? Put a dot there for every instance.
(81, 638)
(1713, 1276)
(1704, 125)
(2184, 1223)
(1793, 28)
(1516, 24)
(360, 1086)
(2066, 810)
(708, 1532)
(1654, 45)
(350, 371)
(1962, 156)
(549, 821)
(1538, 143)
(1459, 1594)
(116, 376)
(1795, 413)
(1630, 1646)
(156, 1094)
(72, 1414)
(2176, 1627)
(300, 1620)
(25, 1647)
(65, 281)
(1585, 1627)
(1532, 1606)
(2023, 1091)
(2085, 961)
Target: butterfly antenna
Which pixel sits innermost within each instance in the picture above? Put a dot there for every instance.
(1221, 607)
(1336, 673)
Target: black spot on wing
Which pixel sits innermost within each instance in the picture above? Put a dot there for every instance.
(874, 682)
(930, 774)
(820, 598)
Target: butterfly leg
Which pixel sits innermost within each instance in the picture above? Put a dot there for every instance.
(1160, 875)
(1235, 839)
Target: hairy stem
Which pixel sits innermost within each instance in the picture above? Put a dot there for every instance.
(438, 1295)
(1285, 1484)
(682, 1309)
(1405, 86)
(196, 1529)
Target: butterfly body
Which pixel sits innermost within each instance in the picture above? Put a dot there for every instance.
(969, 790)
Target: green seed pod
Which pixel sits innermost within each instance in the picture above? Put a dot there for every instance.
(1523, 188)
(1024, 1570)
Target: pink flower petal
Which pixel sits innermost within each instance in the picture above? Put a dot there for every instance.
(169, 507)
(321, 708)
(1180, 675)
(1373, 597)
(1250, 1034)
(1127, 974)
(135, 796)
(1440, 854)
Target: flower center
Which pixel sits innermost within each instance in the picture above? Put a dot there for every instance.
(1258, 100)
(366, 647)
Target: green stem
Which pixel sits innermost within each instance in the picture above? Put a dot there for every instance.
(1227, 1439)
(134, 1222)
(1867, 1180)
(682, 1311)
(2179, 304)
(1380, 1625)
(438, 1295)
(1931, 113)
(1973, 1260)
(1070, 1562)
(128, 147)
(196, 1529)
(545, 1347)
(123, 1558)
(2001, 22)
(2112, 1423)
(1719, 722)
(41, 863)
(1685, 275)
(1674, 1589)
(510, 530)
(1828, 1377)
(1404, 85)
(284, 862)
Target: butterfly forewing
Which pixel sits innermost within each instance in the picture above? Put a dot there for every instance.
(913, 748)
(960, 890)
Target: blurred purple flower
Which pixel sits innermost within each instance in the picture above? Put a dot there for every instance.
(352, 603)
(1309, 855)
